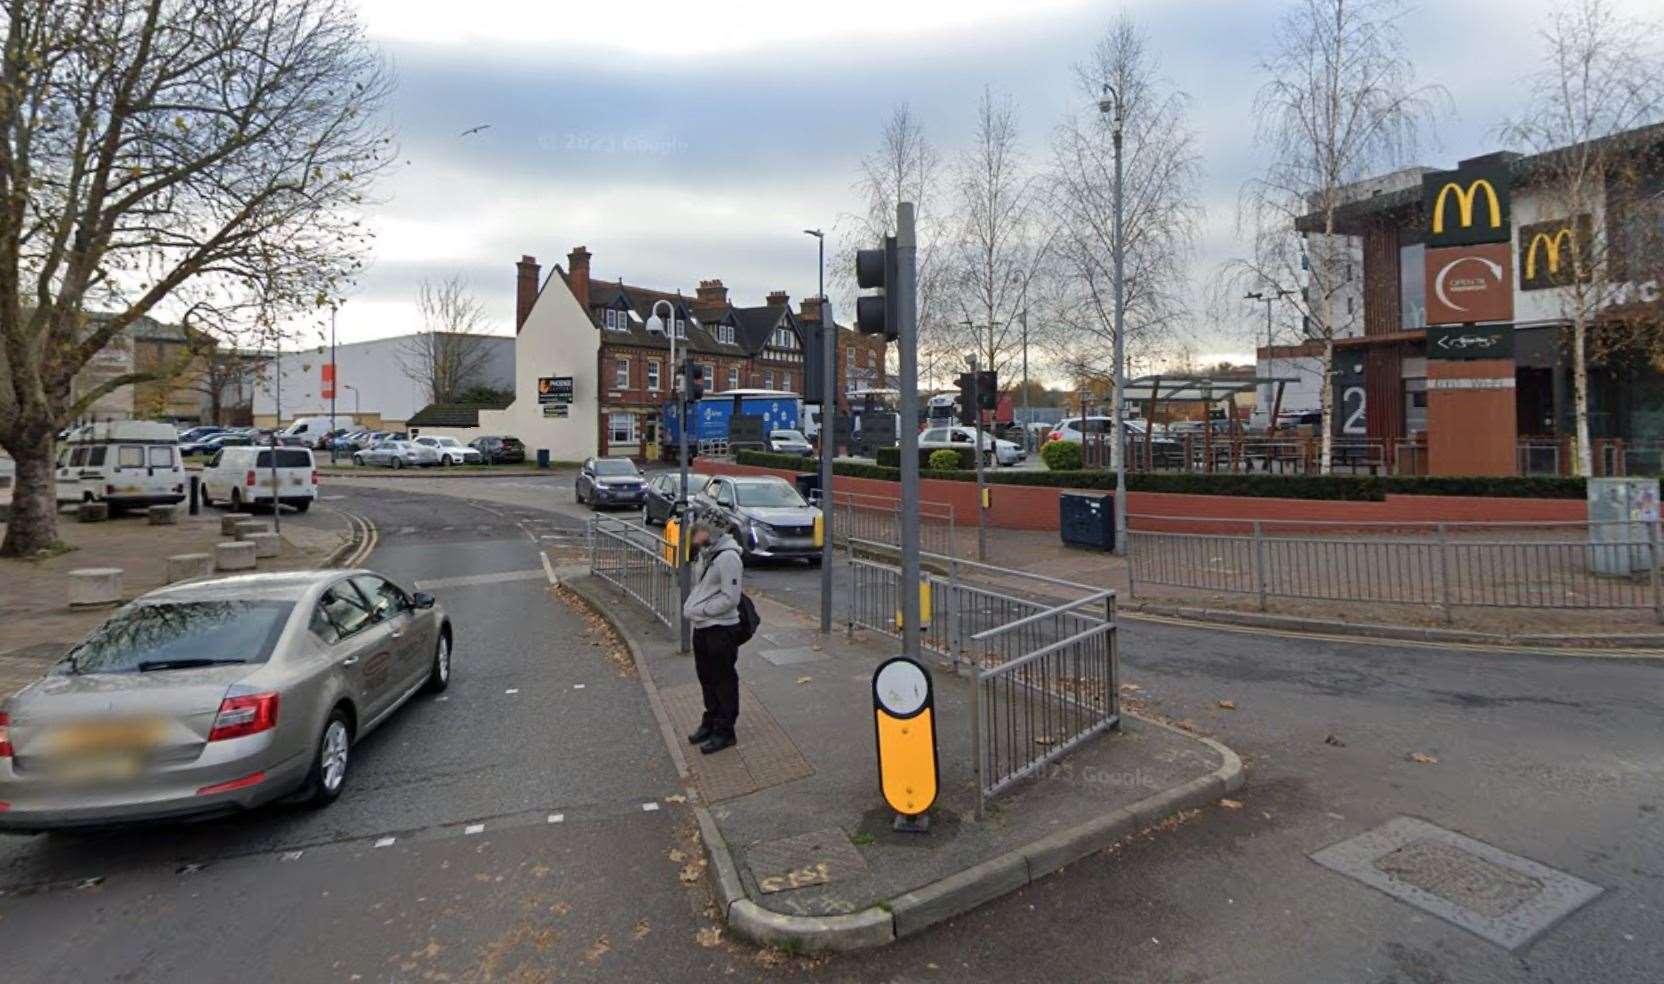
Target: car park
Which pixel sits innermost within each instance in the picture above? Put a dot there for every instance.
(610, 482)
(765, 515)
(452, 451)
(125, 463)
(195, 434)
(660, 502)
(789, 442)
(213, 442)
(995, 451)
(243, 477)
(215, 696)
(502, 450)
(313, 432)
(1165, 451)
(397, 454)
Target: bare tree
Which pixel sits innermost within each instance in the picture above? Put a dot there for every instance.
(1591, 124)
(447, 356)
(999, 240)
(1341, 103)
(199, 157)
(1161, 212)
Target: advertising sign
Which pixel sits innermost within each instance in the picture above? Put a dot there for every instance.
(1470, 283)
(1549, 250)
(1351, 396)
(555, 409)
(1470, 342)
(327, 388)
(554, 389)
(1468, 206)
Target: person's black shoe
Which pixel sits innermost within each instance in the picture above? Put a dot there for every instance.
(716, 743)
(698, 737)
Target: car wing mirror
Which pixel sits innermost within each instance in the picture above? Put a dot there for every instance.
(422, 600)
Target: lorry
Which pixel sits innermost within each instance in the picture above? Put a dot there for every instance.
(711, 419)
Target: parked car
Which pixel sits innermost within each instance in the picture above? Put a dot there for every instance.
(765, 514)
(789, 442)
(215, 696)
(611, 482)
(224, 439)
(126, 463)
(397, 454)
(499, 450)
(994, 450)
(241, 477)
(195, 434)
(1166, 452)
(313, 432)
(660, 502)
(452, 451)
(347, 441)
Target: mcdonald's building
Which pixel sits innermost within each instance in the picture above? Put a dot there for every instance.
(1450, 292)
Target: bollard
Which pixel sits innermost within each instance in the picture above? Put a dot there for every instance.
(228, 524)
(92, 512)
(196, 494)
(250, 527)
(163, 515)
(184, 567)
(265, 544)
(234, 556)
(94, 587)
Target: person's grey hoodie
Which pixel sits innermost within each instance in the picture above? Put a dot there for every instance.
(715, 596)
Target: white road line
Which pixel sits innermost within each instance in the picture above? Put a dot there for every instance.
(548, 568)
(556, 817)
(512, 690)
(649, 807)
(292, 855)
(474, 828)
(577, 686)
(470, 580)
(387, 842)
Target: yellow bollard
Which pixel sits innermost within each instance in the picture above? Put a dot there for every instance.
(924, 605)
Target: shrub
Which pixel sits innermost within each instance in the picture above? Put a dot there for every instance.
(765, 459)
(962, 458)
(1061, 455)
(942, 459)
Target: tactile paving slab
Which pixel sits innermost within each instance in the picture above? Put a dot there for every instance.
(764, 756)
(1502, 897)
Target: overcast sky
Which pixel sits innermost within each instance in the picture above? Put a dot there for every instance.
(682, 141)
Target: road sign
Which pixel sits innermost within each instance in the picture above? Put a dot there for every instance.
(554, 389)
(904, 711)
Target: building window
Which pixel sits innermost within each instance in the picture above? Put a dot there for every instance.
(849, 357)
(786, 384)
(783, 338)
(725, 334)
(609, 315)
(733, 375)
(768, 379)
(1412, 287)
(709, 372)
(653, 374)
(621, 373)
(621, 429)
(681, 327)
(1415, 406)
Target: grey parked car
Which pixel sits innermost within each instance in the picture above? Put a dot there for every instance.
(215, 696)
(397, 454)
(764, 513)
(611, 482)
(661, 495)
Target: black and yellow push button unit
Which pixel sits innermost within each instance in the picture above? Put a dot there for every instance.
(905, 721)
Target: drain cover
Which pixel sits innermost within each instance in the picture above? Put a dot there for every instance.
(1502, 897)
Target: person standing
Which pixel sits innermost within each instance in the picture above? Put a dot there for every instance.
(713, 609)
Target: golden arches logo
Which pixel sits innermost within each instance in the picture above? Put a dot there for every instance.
(1465, 198)
(1551, 244)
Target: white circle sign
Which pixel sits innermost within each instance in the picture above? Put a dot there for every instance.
(902, 687)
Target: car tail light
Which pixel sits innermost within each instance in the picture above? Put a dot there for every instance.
(1055, 436)
(249, 478)
(109, 490)
(226, 787)
(314, 476)
(5, 737)
(241, 716)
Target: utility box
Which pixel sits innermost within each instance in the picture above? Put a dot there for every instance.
(1623, 515)
(1087, 520)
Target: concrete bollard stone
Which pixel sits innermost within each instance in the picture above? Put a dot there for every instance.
(265, 544)
(92, 512)
(163, 515)
(236, 555)
(249, 527)
(94, 587)
(183, 567)
(228, 524)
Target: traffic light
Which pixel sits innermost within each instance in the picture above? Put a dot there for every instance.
(875, 314)
(967, 398)
(693, 379)
(988, 389)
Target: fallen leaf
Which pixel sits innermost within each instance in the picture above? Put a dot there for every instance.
(1187, 725)
(708, 937)
(804, 679)
(1231, 804)
(675, 798)
(1423, 758)
(1044, 739)
(597, 950)
(689, 874)
(677, 855)
(1229, 705)
(1332, 740)
(641, 930)
(1128, 688)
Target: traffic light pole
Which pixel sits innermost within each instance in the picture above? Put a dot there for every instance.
(906, 315)
(981, 484)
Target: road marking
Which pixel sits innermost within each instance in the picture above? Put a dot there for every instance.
(474, 828)
(577, 686)
(386, 841)
(649, 807)
(292, 855)
(548, 568)
(512, 690)
(556, 817)
(470, 580)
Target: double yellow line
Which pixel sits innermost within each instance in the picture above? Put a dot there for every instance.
(367, 536)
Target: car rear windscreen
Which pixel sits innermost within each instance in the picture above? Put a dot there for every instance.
(286, 458)
(197, 632)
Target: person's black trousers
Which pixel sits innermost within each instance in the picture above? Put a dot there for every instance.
(715, 655)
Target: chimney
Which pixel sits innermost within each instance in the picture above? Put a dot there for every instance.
(711, 297)
(577, 272)
(808, 309)
(779, 298)
(528, 275)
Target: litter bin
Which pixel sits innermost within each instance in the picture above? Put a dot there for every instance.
(542, 457)
(808, 485)
(1087, 520)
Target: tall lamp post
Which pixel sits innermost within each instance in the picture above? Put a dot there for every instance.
(828, 440)
(334, 384)
(1110, 106)
(683, 507)
(1270, 297)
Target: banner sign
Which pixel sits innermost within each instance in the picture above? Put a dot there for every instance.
(1467, 206)
(555, 409)
(327, 388)
(1547, 252)
(1470, 283)
(745, 429)
(1469, 342)
(554, 389)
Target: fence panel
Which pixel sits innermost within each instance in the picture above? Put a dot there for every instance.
(634, 560)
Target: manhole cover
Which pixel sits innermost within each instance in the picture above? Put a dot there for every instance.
(1502, 897)
(816, 858)
(793, 656)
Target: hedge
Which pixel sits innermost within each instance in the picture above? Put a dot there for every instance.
(891, 457)
(768, 459)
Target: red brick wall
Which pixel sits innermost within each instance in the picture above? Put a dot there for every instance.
(1035, 507)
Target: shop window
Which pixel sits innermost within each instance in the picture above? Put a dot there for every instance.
(621, 373)
(1412, 287)
(1415, 406)
(621, 429)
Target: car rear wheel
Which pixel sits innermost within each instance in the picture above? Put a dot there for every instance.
(329, 763)
(398, 463)
(301, 505)
(358, 460)
(202, 491)
(439, 675)
(236, 501)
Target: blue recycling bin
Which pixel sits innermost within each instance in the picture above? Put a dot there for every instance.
(542, 457)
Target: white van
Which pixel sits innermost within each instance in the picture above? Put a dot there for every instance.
(121, 462)
(311, 430)
(241, 477)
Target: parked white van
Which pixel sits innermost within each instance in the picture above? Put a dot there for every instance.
(121, 462)
(311, 430)
(241, 477)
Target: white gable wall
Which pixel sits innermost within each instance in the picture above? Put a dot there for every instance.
(557, 339)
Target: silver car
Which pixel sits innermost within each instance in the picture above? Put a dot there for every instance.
(451, 451)
(397, 454)
(765, 514)
(215, 696)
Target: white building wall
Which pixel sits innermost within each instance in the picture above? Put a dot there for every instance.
(557, 339)
(373, 368)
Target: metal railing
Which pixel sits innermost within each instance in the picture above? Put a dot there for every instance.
(1445, 565)
(1046, 672)
(1242, 453)
(635, 561)
(877, 519)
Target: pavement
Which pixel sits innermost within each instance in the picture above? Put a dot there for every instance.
(801, 841)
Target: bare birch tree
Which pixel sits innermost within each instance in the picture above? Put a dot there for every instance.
(1161, 212)
(447, 356)
(201, 161)
(1591, 122)
(1340, 104)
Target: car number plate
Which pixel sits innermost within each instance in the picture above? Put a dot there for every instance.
(91, 740)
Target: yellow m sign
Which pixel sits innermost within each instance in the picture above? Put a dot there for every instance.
(1465, 198)
(1550, 244)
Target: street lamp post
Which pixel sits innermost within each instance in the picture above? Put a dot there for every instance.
(828, 410)
(683, 507)
(1270, 297)
(355, 411)
(1111, 106)
(334, 384)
